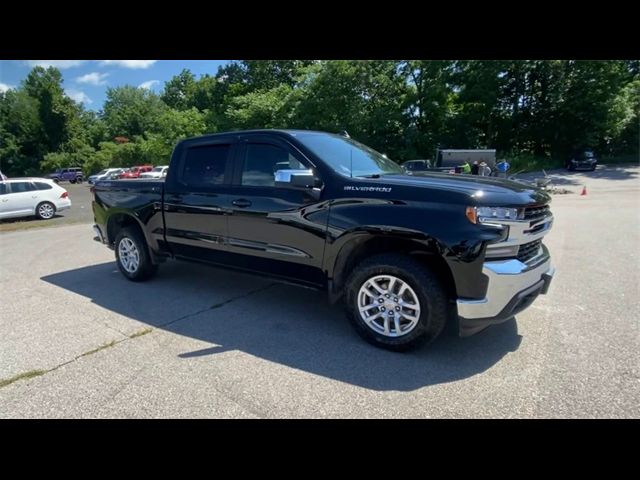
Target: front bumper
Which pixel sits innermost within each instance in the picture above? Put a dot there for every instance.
(513, 286)
(585, 165)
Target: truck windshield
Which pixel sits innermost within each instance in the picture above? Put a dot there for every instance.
(348, 157)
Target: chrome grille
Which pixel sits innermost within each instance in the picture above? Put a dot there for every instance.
(529, 250)
(535, 212)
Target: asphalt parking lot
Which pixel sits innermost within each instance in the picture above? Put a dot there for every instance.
(78, 340)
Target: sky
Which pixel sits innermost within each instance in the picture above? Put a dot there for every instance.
(86, 81)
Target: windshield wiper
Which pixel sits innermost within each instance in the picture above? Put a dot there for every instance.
(371, 175)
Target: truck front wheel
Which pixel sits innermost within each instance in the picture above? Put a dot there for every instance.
(394, 302)
(132, 255)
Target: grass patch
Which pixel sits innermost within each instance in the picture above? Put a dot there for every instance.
(139, 333)
(22, 376)
(96, 350)
(16, 225)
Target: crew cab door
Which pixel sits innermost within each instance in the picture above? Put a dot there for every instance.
(275, 229)
(197, 199)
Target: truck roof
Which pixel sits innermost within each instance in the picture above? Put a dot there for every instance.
(292, 132)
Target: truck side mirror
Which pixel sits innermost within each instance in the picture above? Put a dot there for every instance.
(299, 179)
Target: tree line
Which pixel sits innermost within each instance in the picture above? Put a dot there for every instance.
(523, 108)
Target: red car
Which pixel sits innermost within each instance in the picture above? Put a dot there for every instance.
(135, 172)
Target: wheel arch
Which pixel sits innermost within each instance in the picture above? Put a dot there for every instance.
(426, 250)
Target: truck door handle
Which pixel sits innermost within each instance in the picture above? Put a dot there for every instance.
(242, 203)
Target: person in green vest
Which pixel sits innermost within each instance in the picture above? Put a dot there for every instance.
(466, 168)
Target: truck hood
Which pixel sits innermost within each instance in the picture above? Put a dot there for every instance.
(481, 190)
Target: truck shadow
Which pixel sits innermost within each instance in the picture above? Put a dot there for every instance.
(280, 323)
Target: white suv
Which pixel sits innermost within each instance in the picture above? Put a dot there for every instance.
(24, 197)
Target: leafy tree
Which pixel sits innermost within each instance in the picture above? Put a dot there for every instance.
(405, 108)
(130, 111)
(178, 91)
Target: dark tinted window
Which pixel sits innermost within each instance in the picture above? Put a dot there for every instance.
(263, 160)
(205, 165)
(3, 188)
(43, 186)
(19, 187)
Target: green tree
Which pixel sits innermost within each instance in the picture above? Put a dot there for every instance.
(365, 98)
(130, 112)
(178, 91)
(430, 103)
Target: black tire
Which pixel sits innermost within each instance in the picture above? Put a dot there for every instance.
(431, 295)
(72, 181)
(145, 268)
(50, 212)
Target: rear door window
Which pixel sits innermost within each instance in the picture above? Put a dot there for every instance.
(21, 187)
(205, 165)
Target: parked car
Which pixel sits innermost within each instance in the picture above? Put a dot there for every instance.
(403, 252)
(584, 160)
(411, 166)
(71, 174)
(23, 197)
(134, 172)
(105, 174)
(157, 172)
(116, 175)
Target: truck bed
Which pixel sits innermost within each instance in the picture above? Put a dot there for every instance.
(142, 198)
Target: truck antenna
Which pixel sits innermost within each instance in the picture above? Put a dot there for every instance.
(351, 161)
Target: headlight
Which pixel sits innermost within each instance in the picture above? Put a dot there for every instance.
(482, 214)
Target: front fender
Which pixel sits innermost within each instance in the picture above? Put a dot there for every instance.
(441, 229)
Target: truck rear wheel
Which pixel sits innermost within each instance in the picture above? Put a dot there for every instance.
(394, 302)
(132, 255)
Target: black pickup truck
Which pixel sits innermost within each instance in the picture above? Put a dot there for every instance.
(404, 253)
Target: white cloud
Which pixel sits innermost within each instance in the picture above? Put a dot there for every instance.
(93, 78)
(62, 64)
(129, 63)
(4, 87)
(78, 95)
(148, 84)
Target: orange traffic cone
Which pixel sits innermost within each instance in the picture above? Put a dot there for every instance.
(584, 190)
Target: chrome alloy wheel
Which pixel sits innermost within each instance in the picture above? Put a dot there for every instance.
(388, 305)
(129, 255)
(46, 211)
